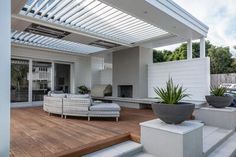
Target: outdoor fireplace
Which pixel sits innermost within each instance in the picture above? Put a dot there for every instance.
(125, 91)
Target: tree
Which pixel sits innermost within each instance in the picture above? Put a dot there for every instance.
(158, 56)
(161, 56)
(221, 60)
(179, 53)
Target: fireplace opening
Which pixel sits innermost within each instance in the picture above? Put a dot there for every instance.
(125, 91)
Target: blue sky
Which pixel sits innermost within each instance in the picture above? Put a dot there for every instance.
(219, 15)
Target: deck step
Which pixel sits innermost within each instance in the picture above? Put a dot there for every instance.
(142, 154)
(213, 137)
(124, 149)
(227, 149)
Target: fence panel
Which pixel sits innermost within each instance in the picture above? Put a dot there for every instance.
(217, 79)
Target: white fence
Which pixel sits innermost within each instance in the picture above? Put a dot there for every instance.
(193, 74)
(217, 79)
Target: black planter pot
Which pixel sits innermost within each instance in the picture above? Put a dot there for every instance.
(173, 114)
(219, 101)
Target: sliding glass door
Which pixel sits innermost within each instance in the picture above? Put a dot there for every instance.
(32, 79)
(41, 79)
(62, 77)
(19, 80)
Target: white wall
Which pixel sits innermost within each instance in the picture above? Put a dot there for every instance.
(5, 23)
(193, 74)
(83, 72)
(97, 64)
(106, 76)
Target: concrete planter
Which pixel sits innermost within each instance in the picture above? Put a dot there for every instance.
(173, 114)
(219, 101)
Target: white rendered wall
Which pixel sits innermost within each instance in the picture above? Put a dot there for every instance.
(193, 74)
(97, 64)
(5, 17)
(106, 76)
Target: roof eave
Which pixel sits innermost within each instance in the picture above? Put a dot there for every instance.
(174, 10)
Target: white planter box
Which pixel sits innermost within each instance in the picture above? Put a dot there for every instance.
(218, 117)
(161, 139)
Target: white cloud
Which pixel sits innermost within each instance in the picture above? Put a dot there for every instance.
(219, 15)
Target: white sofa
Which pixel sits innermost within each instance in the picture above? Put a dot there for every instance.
(79, 105)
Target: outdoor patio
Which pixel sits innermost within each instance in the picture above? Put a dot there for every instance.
(35, 134)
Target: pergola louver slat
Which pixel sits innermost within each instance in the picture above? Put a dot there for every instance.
(44, 13)
(40, 7)
(84, 12)
(52, 43)
(94, 17)
(74, 12)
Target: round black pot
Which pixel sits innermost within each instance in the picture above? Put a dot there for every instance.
(219, 101)
(173, 114)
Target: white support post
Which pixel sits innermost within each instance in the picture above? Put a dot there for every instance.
(53, 76)
(72, 78)
(189, 49)
(202, 48)
(30, 81)
(5, 69)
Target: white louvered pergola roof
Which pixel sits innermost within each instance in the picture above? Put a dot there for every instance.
(93, 17)
(52, 43)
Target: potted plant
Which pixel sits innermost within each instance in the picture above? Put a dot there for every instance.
(83, 90)
(218, 98)
(170, 109)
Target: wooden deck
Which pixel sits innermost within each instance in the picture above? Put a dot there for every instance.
(35, 134)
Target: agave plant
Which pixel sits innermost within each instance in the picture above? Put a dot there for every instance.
(171, 94)
(218, 91)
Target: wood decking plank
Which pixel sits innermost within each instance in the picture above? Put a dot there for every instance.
(35, 134)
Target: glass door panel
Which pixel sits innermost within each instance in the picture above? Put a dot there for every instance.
(19, 80)
(41, 80)
(62, 77)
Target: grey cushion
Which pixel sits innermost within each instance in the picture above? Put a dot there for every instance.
(58, 95)
(78, 96)
(105, 107)
(104, 112)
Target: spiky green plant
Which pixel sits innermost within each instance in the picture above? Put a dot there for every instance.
(218, 91)
(171, 94)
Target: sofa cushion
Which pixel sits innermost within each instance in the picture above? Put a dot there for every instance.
(104, 112)
(78, 96)
(58, 95)
(105, 107)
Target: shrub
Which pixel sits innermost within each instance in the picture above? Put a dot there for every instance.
(83, 90)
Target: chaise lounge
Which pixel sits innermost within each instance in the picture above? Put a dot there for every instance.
(79, 105)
